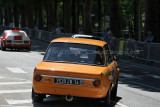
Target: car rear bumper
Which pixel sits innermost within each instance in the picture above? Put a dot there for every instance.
(89, 93)
(18, 46)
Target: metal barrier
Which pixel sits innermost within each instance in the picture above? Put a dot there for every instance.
(126, 47)
(142, 50)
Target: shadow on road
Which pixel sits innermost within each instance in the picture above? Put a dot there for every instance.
(78, 102)
(139, 76)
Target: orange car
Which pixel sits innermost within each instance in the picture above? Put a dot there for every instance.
(74, 67)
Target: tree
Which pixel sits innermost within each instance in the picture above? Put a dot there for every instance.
(152, 18)
(115, 18)
(50, 14)
(137, 19)
(1, 16)
(100, 15)
(40, 14)
(30, 17)
(67, 16)
(16, 13)
(74, 17)
(87, 17)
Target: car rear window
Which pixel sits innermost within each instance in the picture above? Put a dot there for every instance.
(16, 34)
(75, 53)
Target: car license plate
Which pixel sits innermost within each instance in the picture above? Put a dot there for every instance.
(66, 81)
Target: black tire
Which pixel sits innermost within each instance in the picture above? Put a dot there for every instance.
(114, 91)
(37, 97)
(107, 99)
(29, 49)
(3, 48)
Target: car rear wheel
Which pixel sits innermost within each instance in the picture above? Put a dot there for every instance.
(37, 97)
(114, 90)
(3, 48)
(107, 99)
(29, 49)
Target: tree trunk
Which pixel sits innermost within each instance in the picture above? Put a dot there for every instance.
(100, 15)
(137, 19)
(16, 16)
(152, 22)
(115, 18)
(55, 11)
(87, 17)
(23, 17)
(67, 16)
(78, 14)
(50, 14)
(6, 17)
(74, 16)
(40, 15)
(30, 17)
(1, 16)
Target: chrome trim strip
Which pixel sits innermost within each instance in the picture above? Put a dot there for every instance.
(68, 77)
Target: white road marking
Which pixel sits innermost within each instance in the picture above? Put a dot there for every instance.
(13, 106)
(19, 101)
(17, 79)
(119, 104)
(15, 83)
(15, 70)
(13, 78)
(1, 77)
(15, 91)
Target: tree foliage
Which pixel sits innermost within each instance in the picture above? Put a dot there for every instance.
(89, 15)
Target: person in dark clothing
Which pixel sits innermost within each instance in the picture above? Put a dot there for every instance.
(150, 37)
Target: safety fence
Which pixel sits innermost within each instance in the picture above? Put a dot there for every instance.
(125, 47)
(142, 50)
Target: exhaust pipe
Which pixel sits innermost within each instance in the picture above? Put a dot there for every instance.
(69, 98)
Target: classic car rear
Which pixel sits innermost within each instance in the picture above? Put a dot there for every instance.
(15, 39)
(75, 68)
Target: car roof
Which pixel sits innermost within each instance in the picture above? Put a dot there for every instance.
(80, 35)
(13, 31)
(80, 40)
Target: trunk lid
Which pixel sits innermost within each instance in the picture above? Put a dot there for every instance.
(71, 68)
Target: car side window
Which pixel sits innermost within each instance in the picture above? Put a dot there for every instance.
(108, 55)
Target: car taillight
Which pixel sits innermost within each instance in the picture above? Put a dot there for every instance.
(37, 77)
(26, 41)
(9, 41)
(96, 82)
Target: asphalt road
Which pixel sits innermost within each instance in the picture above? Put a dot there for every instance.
(139, 85)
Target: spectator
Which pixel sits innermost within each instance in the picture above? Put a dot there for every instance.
(111, 41)
(150, 37)
(36, 28)
(11, 24)
(106, 33)
(58, 30)
(80, 31)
